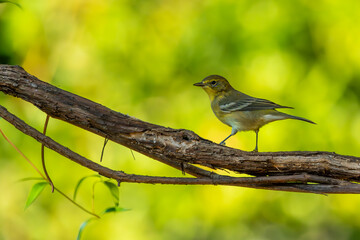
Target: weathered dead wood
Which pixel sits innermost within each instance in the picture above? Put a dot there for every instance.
(178, 148)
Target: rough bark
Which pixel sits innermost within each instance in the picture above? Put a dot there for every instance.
(178, 148)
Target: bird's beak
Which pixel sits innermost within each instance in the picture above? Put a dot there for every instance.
(199, 84)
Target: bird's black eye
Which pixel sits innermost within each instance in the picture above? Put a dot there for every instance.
(213, 83)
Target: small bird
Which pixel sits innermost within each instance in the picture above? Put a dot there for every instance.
(240, 111)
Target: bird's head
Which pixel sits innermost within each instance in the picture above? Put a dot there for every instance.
(214, 84)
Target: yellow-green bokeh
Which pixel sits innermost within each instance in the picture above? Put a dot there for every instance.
(141, 58)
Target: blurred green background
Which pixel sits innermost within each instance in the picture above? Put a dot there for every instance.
(141, 58)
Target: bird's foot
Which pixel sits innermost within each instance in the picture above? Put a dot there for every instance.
(222, 143)
(255, 150)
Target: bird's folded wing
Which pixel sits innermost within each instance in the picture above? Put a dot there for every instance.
(248, 104)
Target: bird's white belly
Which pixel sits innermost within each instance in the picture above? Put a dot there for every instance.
(248, 120)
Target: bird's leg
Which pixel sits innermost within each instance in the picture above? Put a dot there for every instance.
(233, 132)
(223, 141)
(257, 138)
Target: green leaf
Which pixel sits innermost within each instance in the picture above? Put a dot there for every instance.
(80, 182)
(114, 190)
(35, 192)
(16, 4)
(115, 209)
(82, 226)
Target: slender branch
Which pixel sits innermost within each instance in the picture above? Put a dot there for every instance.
(177, 148)
(279, 183)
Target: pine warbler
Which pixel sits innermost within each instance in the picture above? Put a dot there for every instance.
(240, 111)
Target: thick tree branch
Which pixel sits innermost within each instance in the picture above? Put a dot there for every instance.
(177, 148)
(280, 183)
(272, 182)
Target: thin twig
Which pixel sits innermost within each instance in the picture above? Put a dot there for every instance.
(23, 155)
(43, 156)
(103, 148)
(132, 154)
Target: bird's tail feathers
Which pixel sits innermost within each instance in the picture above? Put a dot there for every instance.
(298, 118)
